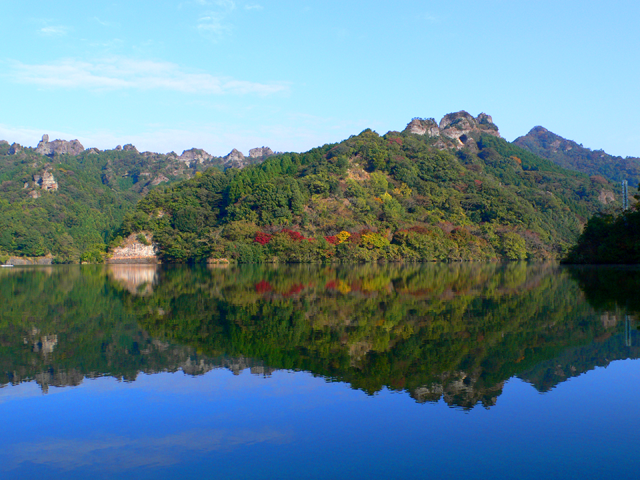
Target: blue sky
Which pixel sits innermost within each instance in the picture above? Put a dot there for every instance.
(218, 74)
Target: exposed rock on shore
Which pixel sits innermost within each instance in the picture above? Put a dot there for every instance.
(134, 250)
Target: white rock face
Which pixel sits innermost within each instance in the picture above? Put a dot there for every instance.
(195, 154)
(132, 251)
(260, 152)
(46, 181)
(424, 127)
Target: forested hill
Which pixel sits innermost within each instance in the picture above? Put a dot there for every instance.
(448, 191)
(65, 202)
(66, 205)
(571, 155)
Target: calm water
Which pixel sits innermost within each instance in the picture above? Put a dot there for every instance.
(460, 371)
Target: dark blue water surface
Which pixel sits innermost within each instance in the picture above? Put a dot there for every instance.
(455, 371)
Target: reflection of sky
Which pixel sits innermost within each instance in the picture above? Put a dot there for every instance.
(293, 425)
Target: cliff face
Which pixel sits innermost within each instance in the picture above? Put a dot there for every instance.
(455, 130)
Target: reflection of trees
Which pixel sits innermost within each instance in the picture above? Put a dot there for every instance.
(609, 288)
(452, 331)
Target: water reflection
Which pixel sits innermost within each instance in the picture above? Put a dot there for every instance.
(453, 332)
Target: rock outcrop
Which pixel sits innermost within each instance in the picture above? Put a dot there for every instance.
(195, 155)
(235, 159)
(18, 261)
(158, 180)
(46, 181)
(130, 148)
(58, 147)
(606, 197)
(422, 126)
(458, 128)
(15, 149)
(4, 142)
(260, 152)
(133, 250)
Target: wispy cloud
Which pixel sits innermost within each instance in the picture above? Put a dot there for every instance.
(126, 73)
(213, 23)
(54, 31)
(104, 23)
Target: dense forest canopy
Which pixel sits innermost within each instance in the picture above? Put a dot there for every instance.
(371, 197)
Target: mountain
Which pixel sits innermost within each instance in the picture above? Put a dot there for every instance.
(574, 156)
(453, 190)
(64, 201)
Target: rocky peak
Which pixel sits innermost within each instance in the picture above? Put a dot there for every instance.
(422, 126)
(195, 154)
(260, 152)
(60, 147)
(129, 148)
(455, 126)
(235, 158)
(4, 142)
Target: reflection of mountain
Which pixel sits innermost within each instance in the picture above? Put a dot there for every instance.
(453, 332)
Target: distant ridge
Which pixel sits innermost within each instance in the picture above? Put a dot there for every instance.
(571, 155)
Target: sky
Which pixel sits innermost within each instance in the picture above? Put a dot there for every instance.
(292, 75)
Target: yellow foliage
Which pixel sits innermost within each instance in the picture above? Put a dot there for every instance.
(402, 191)
(343, 236)
(385, 197)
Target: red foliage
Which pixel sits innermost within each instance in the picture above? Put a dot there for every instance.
(397, 140)
(263, 287)
(293, 235)
(478, 183)
(332, 239)
(262, 238)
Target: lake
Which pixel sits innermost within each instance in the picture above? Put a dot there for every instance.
(314, 372)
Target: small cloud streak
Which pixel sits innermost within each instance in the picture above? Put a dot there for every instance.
(124, 73)
(213, 23)
(54, 31)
